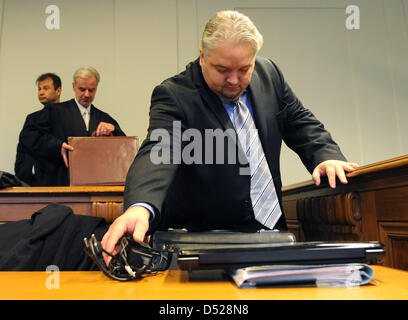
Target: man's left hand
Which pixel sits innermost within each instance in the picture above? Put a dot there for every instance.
(333, 169)
(65, 147)
(104, 129)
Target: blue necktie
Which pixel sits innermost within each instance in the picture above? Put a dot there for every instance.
(263, 194)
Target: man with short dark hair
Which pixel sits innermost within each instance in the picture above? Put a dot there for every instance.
(49, 88)
(49, 91)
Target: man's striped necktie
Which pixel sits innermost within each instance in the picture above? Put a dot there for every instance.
(263, 194)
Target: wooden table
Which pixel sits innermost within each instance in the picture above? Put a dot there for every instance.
(176, 285)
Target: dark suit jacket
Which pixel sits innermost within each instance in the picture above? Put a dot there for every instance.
(23, 167)
(216, 196)
(54, 125)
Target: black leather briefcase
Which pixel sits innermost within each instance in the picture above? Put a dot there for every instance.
(180, 240)
(226, 250)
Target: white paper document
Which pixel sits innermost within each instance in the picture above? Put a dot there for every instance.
(335, 275)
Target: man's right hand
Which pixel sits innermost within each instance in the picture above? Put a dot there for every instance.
(65, 146)
(135, 222)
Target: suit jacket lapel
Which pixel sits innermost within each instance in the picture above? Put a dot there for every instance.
(216, 106)
(77, 123)
(93, 121)
(262, 115)
(259, 107)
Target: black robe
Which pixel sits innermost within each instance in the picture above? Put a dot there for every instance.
(52, 237)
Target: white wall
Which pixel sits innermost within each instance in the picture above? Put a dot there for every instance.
(133, 44)
(355, 81)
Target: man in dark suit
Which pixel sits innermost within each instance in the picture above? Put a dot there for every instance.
(47, 137)
(209, 194)
(49, 92)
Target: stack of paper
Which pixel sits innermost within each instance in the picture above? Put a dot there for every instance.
(334, 275)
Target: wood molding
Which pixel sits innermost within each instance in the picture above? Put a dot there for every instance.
(19, 203)
(61, 190)
(331, 217)
(107, 210)
(394, 235)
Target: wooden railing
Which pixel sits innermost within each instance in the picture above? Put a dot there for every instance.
(372, 206)
(21, 202)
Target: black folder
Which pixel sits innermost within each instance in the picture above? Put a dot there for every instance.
(291, 253)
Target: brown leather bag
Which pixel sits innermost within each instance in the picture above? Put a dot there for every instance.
(101, 160)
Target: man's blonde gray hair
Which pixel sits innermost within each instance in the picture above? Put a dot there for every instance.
(230, 26)
(86, 73)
